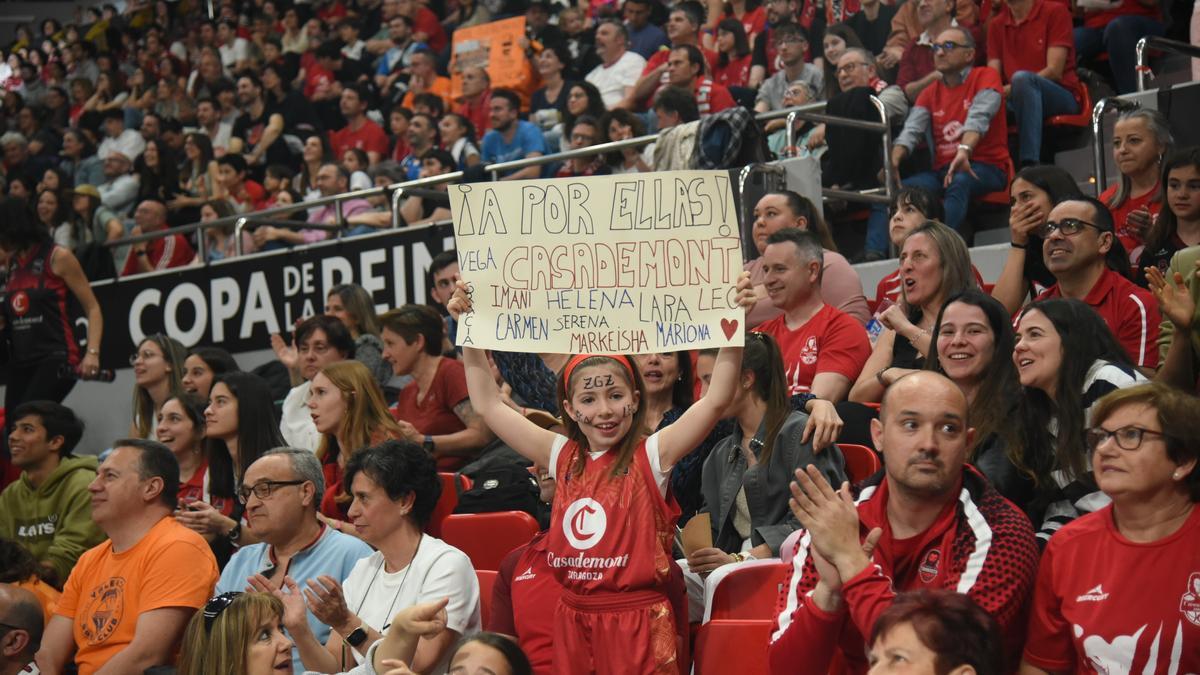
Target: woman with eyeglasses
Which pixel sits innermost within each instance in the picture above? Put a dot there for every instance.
(242, 633)
(1119, 588)
(1066, 359)
(157, 375)
(395, 489)
(349, 410)
(239, 426)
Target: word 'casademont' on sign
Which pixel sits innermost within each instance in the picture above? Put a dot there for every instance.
(615, 264)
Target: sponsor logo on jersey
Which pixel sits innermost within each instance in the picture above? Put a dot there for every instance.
(1189, 604)
(103, 611)
(526, 575)
(584, 523)
(20, 303)
(929, 565)
(1097, 594)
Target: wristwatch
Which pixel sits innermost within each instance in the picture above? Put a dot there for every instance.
(235, 533)
(966, 148)
(428, 444)
(357, 636)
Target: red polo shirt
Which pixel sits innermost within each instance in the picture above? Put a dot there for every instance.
(1023, 46)
(1130, 312)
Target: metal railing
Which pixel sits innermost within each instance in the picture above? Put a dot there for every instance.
(1098, 111)
(1161, 44)
(398, 190)
(871, 196)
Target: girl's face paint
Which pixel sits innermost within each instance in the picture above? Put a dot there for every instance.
(602, 404)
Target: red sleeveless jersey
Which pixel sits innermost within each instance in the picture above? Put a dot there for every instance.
(610, 534)
(36, 310)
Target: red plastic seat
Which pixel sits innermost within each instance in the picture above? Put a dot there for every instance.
(1083, 118)
(861, 461)
(487, 537)
(487, 579)
(732, 646)
(749, 591)
(446, 502)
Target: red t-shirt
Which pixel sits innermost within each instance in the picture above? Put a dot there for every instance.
(434, 414)
(196, 489)
(711, 97)
(368, 138)
(1103, 603)
(314, 77)
(1129, 239)
(830, 342)
(735, 74)
(172, 251)
(889, 287)
(523, 602)
(1130, 311)
(428, 23)
(477, 112)
(753, 21)
(1023, 46)
(660, 58)
(948, 108)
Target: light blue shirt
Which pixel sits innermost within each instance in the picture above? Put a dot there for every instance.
(528, 138)
(334, 554)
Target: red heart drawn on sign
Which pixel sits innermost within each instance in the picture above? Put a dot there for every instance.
(729, 328)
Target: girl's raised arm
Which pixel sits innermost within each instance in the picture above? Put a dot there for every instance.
(532, 441)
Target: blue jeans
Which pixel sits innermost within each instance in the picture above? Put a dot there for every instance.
(877, 229)
(1120, 39)
(1033, 99)
(963, 188)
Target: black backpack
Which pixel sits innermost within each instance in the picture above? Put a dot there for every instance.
(502, 487)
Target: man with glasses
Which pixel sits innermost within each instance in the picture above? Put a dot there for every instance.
(916, 65)
(764, 60)
(126, 604)
(583, 133)
(963, 110)
(21, 626)
(1077, 245)
(298, 553)
(319, 341)
(791, 42)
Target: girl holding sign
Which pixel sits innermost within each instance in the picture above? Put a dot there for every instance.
(614, 518)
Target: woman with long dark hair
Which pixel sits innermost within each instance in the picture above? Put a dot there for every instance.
(240, 425)
(1033, 193)
(198, 177)
(158, 173)
(202, 366)
(352, 305)
(746, 477)
(583, 98)
(44, 356)
(1067, 359)
(973, 345)
(733, 50)
(1178, 224)
(838, 38)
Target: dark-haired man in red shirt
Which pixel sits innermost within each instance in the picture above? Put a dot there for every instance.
(685, 69)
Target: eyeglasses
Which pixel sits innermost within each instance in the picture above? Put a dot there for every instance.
(318, 347)
(1127, 438)
(263, 489)
(143, 355)
(216, 605)
(847, 67)
(1068, 226)
(945, 46)
(789, 40)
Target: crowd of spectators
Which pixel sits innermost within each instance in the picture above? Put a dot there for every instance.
(1036, 435)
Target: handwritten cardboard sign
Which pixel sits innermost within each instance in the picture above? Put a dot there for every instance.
(611, 264)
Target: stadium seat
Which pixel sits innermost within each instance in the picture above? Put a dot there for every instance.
(1081, 119)
(487, 579)
(446, 502)
(748, 590)
(487, 537)
(732, 646)
(861, 461)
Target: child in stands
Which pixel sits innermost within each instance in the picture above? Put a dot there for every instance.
(614, 518)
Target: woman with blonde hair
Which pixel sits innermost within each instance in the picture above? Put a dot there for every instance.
(934, 265)
(237, 633)
(158, 375)
(348, 409)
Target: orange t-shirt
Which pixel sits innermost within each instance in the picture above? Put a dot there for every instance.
(440, 87)
(107, 592)
(46, 594)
